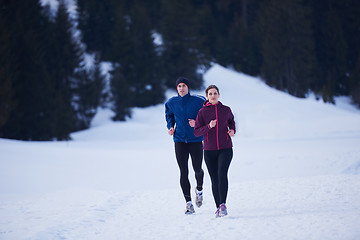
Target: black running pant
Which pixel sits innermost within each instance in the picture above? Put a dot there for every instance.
(218, 163)
(182, 152)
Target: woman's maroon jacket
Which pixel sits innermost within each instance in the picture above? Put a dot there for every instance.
(215, 138)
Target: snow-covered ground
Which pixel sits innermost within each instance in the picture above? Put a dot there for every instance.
(295, 175)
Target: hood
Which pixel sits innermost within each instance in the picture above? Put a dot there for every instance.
(208, 104)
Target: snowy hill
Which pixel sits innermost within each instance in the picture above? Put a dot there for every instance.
(294, 175)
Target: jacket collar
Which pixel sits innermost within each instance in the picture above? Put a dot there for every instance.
(208, 104)
(184, 97)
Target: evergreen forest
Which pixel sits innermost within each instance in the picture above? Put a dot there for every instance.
(139, 48)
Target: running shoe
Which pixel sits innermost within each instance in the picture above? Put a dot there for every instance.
(189, 208)
(217, 213)
(222, 211)
(199, 197)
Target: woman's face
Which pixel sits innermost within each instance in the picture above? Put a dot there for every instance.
(213, 96)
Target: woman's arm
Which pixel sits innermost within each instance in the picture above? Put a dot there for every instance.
(231, 122)
(201, 128)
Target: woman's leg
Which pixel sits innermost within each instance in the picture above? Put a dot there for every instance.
(224, 160)
(211, 161)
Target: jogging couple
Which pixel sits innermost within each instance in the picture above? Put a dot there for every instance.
(191, 120)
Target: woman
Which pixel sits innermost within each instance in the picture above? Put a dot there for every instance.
(215, 122)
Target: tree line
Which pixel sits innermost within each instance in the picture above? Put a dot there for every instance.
(47, 91)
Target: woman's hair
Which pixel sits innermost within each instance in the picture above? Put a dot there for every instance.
(211, 87)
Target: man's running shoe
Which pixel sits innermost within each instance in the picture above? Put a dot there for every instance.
(189, 208)
(199, 197)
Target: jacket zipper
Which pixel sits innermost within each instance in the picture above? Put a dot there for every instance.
(217, 128)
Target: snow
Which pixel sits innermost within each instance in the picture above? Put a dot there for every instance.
(157, 38)
(294, 175)
(54, 4)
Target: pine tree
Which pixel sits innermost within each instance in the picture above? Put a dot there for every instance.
(143, 74)
(347, 12)
(181, 56)
(331, 52)
(243, 48)
(122, 94)
(96, 22)
(32, 87)
(45, 57)
(79, 90)
(134, 53)
(65, 58)
(87, 95)
(6, 75)
(233, 41)
(287, 46)
(236, 36)
(355, 83)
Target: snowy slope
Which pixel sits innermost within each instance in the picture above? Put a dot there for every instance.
(294, 175)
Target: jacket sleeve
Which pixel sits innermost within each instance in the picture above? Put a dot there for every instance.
(201, 127)
(169, 116)
(231, 122)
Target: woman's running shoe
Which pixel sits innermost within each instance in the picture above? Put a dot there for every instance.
(221, 211)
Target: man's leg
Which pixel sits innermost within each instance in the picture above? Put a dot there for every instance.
(196, 153)
(182, 157)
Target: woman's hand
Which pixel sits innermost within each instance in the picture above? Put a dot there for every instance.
(231, 132)
(171, 131)
(212, 123)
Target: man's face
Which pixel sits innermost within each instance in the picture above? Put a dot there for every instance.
(182, 89)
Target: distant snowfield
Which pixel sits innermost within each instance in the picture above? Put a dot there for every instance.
(294, 175)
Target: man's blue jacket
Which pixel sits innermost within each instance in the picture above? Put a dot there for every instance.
(178, 111)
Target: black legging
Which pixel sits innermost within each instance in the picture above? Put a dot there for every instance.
(182, 151)
(218, 163)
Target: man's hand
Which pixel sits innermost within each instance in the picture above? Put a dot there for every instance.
(191, 122)
(171, 131)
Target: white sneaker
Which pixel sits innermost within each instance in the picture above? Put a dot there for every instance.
(189, 208)
(222, 211)
(199, 197)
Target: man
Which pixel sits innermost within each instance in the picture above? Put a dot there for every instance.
(180, 112)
